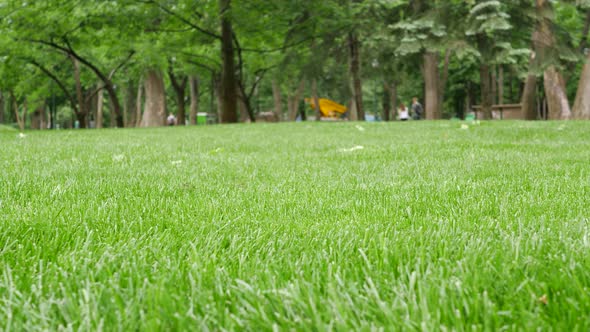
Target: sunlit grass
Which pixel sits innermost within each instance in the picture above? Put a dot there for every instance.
(326, 226)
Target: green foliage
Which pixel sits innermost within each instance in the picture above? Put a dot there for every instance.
(287, 41)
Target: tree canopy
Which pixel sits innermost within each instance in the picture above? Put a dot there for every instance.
(63, 62)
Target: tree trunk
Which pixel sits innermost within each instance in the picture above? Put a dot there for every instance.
(316, 100)
(431, 86)
(228, 98)
(391, 111)
(99, 109)
(581, 109)
(82, 110)
(243, 107)
(112, 115)
(554, 83)
(154, 114)
(179, 86)
(501, 85)
(294, 100)
(529, 92)
(42, 116)
(557, 101)
(442, 86)
(180, 95)
(138, 103)
(130, 107)
(528, 100)
(494, 84)
(355, 75)
(486, 91)
(20, 120)
(194, 94)
(276, 93)
(81, 118)
(394, 99)
(2, 103)
(217, 85)
(116, 104)
(385, 103)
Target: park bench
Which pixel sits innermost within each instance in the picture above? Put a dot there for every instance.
(501, 111)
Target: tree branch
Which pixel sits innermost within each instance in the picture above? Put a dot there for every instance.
(122, 64)
(181, 18)
(58, 82)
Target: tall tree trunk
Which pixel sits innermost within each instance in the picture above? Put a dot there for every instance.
(392, 91)
(431, 86)
(20, 119)
(355, 75)
(179, 86)
(243, 108)
(294, 100)
(2, 103)
(217, 88)
(180, 95)
(581, 108)
(110, 88)
(386, 103)
(112, 115)
(494, 84)
(139, 102)
(486, 91)
(228, 98)
(394, 99)
(276, 93)
(130, 106)
(42, 116)
(100, 109)
(559, 108)
(82, 109)
(501, 85)
(194, 94)
(154, 113)
(554, 83)
(316, 100)
(529, 92)
(442, 86)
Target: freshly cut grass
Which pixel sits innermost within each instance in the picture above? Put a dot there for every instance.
(305, 226)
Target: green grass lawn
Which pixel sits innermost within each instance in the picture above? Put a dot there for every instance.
(304, 226)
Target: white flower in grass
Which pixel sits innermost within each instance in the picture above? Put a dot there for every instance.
(176, 162)
(21, 135)
(354, 148)
(360, 128)
(464, 127)
(118, 157)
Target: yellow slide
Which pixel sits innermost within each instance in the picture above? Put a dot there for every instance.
(328, 108)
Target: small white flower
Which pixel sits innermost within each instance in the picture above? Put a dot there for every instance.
(22, 135)
(216, 150)
(360, 128)
(354, 148)
(464, 127)
(176, 162)
(118, 157)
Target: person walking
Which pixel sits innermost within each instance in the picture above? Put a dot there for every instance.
(417, 109)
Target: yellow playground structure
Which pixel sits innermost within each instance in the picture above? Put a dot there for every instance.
(328, 108)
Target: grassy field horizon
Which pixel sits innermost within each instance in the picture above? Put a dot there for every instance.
(306, 226)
